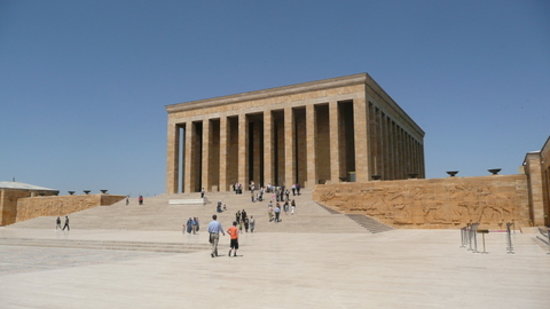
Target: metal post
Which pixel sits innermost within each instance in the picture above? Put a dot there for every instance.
(509, 232)
(474, 227)
(470, 237)
(483, 237)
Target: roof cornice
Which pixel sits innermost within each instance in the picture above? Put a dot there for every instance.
(343, 81)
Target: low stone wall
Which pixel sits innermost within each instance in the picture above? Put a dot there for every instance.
(434, 203)
(32, 207)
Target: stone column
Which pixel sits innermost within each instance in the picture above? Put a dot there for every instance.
(269, 164)
(256, 152)
(411, 152)
(398, 156)
(290, 167)
(370, 139)
(376, 142)
(390, 148)
(223, 154)
(310, 147)
(387, 149)
(381, 144)
(422, 167)
(172, 158)
(361, 142)
(403, 161)
(243, 151)
(334, 125)
(187, 165)
(205, 155)
(418, 164)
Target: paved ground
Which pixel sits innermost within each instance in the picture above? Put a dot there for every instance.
(395, 269)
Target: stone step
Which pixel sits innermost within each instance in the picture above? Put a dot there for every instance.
(107, 245)
(157, 215)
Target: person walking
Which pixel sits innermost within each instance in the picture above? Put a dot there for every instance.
(127, 200)
(202, 192)
(238, 216)
(277, 213)
(194, 225)
(252, 224)
(270, 213)
(197, 224)
(140, 200)
(214, 229)
(246, 224)
(189, 225)
(292, 207)
(66, 224)
(58, 223)
(243, 215)
(234, 242)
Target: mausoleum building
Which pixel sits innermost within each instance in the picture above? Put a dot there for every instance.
(342, 129)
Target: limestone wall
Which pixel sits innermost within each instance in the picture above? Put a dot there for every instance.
(434, 203)
(545, 169)
(32, 207)
(8, 202)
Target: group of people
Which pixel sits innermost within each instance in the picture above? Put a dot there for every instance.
(241, 217)
(192, 225)
(281, 199)
(214, 230)
(274, 213)
(237, 188)
(65, 226)
(220, 207)
(140, 200)
(282, 194)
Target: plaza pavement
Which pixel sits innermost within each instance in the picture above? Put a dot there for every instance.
(294, 264)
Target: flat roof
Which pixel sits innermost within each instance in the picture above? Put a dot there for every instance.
(22, 186)
(342, 81)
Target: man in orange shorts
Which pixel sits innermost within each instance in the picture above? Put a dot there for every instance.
(234, 233)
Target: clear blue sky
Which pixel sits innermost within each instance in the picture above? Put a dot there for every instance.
(83, 84)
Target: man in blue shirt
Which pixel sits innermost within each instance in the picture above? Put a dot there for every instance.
(214, 229)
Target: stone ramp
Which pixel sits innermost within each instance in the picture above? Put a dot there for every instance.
(370, 224)
(157, 215)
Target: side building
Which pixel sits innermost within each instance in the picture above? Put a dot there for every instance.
(343, 129)
(537, 169)
(11, 192)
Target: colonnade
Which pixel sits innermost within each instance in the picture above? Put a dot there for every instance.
(307, 144)
(395, 152)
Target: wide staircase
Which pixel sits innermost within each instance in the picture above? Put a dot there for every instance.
(157, 215)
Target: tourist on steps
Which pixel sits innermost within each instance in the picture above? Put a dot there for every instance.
(234, 242)
(214, 229)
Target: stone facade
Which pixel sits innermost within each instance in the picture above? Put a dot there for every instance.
(545, 173)
(32, 207)
(434, 203)
(328, 131)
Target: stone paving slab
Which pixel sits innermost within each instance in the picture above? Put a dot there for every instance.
(395, 269)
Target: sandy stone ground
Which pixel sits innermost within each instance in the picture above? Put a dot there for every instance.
(395, 269)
